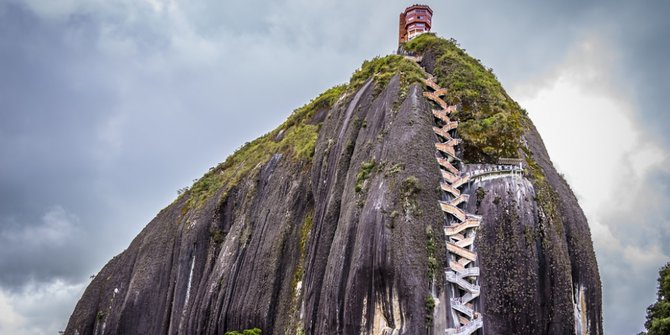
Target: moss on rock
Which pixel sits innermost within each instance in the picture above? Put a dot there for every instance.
(297, 136)
(490, 122)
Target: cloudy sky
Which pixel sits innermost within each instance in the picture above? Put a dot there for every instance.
(108, 107)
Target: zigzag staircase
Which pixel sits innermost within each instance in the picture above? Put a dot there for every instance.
(462, 273)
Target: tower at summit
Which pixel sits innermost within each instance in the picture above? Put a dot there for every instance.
(414, 21)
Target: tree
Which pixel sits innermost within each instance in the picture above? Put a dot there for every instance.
(658, 314)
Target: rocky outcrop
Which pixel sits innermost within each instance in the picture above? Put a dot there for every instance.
(331, 225)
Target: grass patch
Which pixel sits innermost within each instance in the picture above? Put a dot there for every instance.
(304, 235)
(409, 188)
(393, 169)
(299, 142)
(364, 173)
(300, 270)
(430, 250)
(252, 331)
(217, 235)
(299, 136)
(490, 122)
(429, 304)
(382, 69)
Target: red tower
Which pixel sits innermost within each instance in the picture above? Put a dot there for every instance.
(414, 21)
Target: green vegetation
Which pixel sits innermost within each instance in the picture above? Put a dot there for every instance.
(304, 231)
(430, 307)
(545, 195)
(409, 188)
(100, 315)
(364, 173)
(393, 169)
(529, 235)
(481, 194)
(294, 313)
(217, 235)
(253, 331)
(658, 314)
(299, 141)
(490, 122)
(430, 250)
(299, 135)
(394, 214)
(382, 69)
(304, 235)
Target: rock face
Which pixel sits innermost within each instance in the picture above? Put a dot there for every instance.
(347, 239)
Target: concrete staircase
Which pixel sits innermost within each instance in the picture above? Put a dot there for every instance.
(462, 273)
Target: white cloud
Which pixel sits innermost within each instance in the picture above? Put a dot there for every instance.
(583, 119)
(588, 120)
(10, 320)
(38, 309)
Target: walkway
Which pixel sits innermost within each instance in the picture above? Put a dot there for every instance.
(495, 171)
(462, 273)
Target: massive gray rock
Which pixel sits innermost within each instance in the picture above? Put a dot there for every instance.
(340, 243)
(364, 264)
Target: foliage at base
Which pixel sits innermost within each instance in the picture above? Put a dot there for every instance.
(658, 314)
(253, 331)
